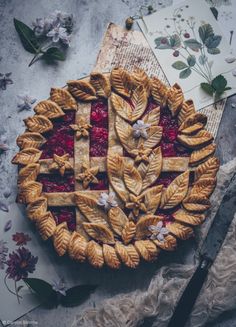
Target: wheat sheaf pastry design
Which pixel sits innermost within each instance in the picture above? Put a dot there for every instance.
(116, 167)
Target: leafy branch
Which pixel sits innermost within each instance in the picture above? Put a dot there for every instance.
(36, 45)
(51, 298)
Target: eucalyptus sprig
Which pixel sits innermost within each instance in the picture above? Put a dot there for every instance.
(216, 87)
(52, 297)
(38, 44)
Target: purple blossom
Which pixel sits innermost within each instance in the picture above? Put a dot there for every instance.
(5, 80)
(20, 263)
(3, 253)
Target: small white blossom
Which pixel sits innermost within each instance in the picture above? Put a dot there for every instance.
(58, 33)
(140, 129)
(59, 286)
(107, 200)
(42, 26)
(158, 231)
(25, 102)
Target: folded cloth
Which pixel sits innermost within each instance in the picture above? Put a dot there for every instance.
(166, 286)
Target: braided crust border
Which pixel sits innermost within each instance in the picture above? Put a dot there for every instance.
(108, 250)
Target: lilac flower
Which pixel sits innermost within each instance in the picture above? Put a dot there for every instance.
(25, 102)
(58, 33)
(140, 129)
(158, 231)
(42, 26)
(20, 263)
(5, 80)
(107, 200)
(3, 253)
(59, 286)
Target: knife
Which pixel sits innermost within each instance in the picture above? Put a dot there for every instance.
(207, 254)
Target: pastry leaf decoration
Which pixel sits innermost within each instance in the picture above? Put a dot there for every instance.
(194, 141)
(153, 117)
(121, 106)
(49, 109)
(121, 81)
(28, 173)
(38, 123)
(87, 204)
(61, 238)
(110, 257)
(115, 168)
(147, 249)
(77, 247)
(30, 140)
(152, 198)
(27, 156)
(99, 232)
(180, 231)
(200, 155)
(117, 219)
(82, 90)
(141, 78)
(151, 171)
(207, 169)
(37, 209)
(128, 232)
(190, 218)
(101, 84)
(196, 203)
(186, 110)
(175, 192)
(94, 254)
(154, 137)
(132, 178)
(63, 98)
(125, 133)
(127, 254)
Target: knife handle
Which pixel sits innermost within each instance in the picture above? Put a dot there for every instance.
(189, 296)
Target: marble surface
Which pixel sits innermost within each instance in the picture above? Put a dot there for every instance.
(92, 18)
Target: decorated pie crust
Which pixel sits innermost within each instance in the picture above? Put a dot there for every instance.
(115, 168)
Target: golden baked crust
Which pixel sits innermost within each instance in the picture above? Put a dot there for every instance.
(139, 213)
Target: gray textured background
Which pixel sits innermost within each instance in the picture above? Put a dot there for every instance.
(92, 18)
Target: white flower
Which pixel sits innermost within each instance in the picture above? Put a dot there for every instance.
(158, 231)
(59, 286)
(25, 102)
(140, 129)
(58, 33)
(107, 200)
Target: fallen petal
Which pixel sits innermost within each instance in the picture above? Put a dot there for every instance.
(3, 207)
(230, 59)
(8, 226)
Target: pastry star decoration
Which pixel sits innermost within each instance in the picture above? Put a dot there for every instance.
(136, 204)
(141, 154)
(88, 175)
(61, 163)
(81, 128)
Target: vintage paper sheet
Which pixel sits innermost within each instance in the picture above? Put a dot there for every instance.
(190, 47)
(130, 49)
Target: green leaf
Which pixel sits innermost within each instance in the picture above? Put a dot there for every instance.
(193, 44)
(214, 12)
(43, 289)
(191, 60)
(228, 88)
(76, 295)
(207, 88)
(179, 65)
(53, 54)
(202, 59)
(175, 41)
(219, 83)
(213, 41)
(162, 42)
(205, 31)
(27, 36)
(185, 73)
(213, 51)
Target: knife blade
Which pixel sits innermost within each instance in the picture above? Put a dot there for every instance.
(208, 253)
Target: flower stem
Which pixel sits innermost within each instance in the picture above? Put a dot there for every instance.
(5, 282)
(17, 294)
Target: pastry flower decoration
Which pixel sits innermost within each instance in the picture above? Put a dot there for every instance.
(136, 204)
(61, 163)
(140, 129)
(158, 231)
(88, 175)
(141, 154)
(81, 128)
(107, 200)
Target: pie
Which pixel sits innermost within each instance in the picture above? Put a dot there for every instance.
(116, 167)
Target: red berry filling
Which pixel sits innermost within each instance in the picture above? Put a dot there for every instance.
(102, 182)
(60, 139)
(56, 183)
(66, 214)
(166, 178)
(99, 131)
